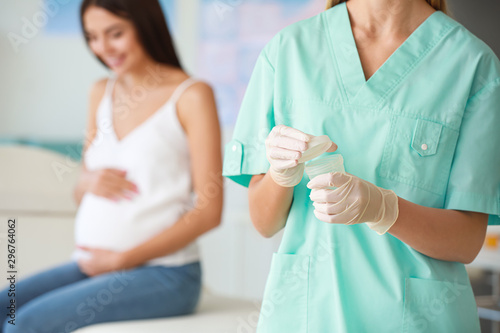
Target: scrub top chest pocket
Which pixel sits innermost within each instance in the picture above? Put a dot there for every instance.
(419, 153)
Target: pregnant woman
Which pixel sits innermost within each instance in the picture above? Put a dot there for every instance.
(151, 183)
(411, 99)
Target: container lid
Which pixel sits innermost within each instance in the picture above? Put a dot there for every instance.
(317, 145)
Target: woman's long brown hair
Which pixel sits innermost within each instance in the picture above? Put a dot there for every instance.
(150, 24)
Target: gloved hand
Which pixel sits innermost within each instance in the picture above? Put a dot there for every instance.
(353, 201)
(284, 147)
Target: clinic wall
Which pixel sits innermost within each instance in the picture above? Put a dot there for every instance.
(44, 87)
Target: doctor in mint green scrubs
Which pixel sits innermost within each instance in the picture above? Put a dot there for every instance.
(425, 125)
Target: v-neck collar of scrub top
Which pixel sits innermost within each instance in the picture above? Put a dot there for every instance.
(355, 88)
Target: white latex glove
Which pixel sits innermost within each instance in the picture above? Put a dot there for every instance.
(284, 147)
(353, 201)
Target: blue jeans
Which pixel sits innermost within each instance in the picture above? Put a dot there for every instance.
(63, 299)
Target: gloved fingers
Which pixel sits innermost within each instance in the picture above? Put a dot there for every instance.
(292, 133)
(323, 217)
(324, 195)
(349, 216)
(288, 143)
(330, 195)
(283, 164)
(330, 179)
(337, 207)
(333, 218)
(284, 154)
(332, 148)
(331, 208)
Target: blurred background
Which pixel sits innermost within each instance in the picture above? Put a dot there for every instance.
(46, 72)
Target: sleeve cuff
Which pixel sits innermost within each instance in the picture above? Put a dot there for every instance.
(241, 162)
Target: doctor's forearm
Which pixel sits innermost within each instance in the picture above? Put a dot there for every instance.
(269, 204)
(442, 234)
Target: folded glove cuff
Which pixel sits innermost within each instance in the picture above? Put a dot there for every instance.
(389, 212)
(288, 177)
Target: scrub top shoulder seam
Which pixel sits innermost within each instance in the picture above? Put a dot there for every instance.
(481, 91)
(268, 61)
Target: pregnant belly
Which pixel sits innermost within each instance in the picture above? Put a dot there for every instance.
(101, 223)
(110, 225)
(122, 225)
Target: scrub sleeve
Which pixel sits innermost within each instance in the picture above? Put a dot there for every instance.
(474, 183)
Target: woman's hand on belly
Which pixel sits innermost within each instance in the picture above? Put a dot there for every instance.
(101, 261)
(109, 183)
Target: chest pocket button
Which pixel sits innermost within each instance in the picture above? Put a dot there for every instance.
(426, 137)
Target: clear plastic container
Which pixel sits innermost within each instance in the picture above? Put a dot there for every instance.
(324, 164)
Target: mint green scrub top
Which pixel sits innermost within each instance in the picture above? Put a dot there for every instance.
(426, 125)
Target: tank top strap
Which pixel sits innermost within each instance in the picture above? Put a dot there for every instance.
(104, 112)
(181, 88)
(109, 87)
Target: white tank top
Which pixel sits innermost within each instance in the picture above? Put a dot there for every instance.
(156, 157)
